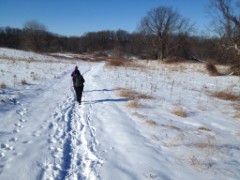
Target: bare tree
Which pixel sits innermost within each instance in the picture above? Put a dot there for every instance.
(226, 14)
(34, 36)
(161, 23)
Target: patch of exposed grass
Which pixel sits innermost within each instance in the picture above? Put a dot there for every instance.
(116, 62)
(171, 127)
(212, 70)
(226, 96)
(235, 70)
(131, 94)
(204, 129)
(3, 85)
(236, 115)
(151, 122)
(179, 111)
(134, 104)
(23, 82)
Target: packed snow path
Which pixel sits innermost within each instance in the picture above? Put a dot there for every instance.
(51, 132)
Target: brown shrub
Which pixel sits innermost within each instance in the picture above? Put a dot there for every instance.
(226, 96)
(134, 104)
(179, 111)
(212, 70)
(174, 59)
(116, 62)
(23, 82)
(131, 94)
(151, 122)
(235, 70)
(3, 85)
(204, 129)
(236, 115)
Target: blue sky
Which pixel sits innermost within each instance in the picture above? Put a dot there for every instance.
(76, 17)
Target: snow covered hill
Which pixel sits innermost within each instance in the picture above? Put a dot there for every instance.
(144, 120)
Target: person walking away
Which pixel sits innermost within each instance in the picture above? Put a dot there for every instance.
(78, 84)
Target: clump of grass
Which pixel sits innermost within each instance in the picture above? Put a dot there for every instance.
(212, 70)
(179, 111)
(204, 129)
(131, 94)
(134, 104)
(226, 95)
(23, 82)
(235, 70)
(3, 85)
(171, 127)
(236, 116)
(116, 62)
(151, 122)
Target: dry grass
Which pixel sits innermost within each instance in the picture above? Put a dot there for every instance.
(236, 115)
(151, 122)
(23, 82)
(204, 129)
(3, 85)
(134, 104)
(131, 94)
(226, 95)
(171, 127)
(175, 60)
(116, 62)
(235, 70)
(179, 111)
(212, 70)
(119, 62)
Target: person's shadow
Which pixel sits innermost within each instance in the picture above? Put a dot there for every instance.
(104, 100)
(103, 90)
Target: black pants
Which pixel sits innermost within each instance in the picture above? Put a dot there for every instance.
(78, 91)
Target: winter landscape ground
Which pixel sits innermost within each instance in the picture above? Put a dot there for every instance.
(143, 120)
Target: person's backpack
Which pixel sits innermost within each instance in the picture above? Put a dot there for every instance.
(79, 81)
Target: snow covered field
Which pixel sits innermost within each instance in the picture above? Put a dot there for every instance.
(144, 121)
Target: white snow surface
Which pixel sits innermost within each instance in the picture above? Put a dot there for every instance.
(45, 134)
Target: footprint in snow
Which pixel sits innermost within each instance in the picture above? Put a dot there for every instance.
(7, 147)
(27, 142)
(23, 120)
(14, 139)
(16, 131)
(19, 125)
(22, 112)
(2, 155)
(36, 133)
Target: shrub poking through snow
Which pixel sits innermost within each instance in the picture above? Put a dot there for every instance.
(179, 111)
(212, 70)
(204, 129)
(235, 70)
(131, 94)
(23, 82)
(134, 104)
(134, 96)
(3, 85)
(226, 95)
(116, 62)
(151, 122)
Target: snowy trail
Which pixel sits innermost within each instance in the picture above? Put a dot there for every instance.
(60, 132)
(77, 159)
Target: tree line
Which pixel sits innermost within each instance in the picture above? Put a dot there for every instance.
(162, 33)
